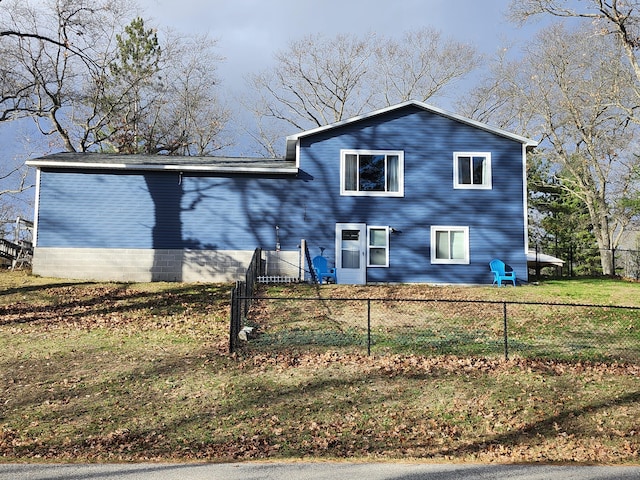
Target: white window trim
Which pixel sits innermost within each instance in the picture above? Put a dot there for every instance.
(489, 174)
(353, 193)
(374, 227)
(440, 228)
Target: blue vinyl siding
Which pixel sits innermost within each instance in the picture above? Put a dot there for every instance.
(163, 211)
(495, 217)
(104, 209)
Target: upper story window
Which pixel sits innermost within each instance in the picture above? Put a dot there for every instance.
(472, 170)
(372, 173)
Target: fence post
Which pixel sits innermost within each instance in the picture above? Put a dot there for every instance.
(303, 248)
(369, 327)
(506, 335)
(232, 320)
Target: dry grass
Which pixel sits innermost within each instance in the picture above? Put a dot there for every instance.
(130, 372)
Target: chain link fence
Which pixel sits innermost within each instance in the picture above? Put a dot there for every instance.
(474, 328)
(586, 263)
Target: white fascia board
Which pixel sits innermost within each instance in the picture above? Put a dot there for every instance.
(175, 168)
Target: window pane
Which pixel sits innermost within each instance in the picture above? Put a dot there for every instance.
(442, 245)
(457, 245)
(377, 237)
(464, 170)
(351, 172)
(350, 249)
(393, 173)
(378, 256)
(372, 176)
(478, 170)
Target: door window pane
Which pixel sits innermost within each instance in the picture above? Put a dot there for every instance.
(350, 249)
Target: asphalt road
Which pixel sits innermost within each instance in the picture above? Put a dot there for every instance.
(310, 471)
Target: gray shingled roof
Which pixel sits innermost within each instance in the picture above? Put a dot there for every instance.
(164, 162)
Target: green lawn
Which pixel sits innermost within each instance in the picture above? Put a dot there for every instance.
(129, 372)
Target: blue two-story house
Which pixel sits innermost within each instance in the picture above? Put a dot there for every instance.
(409, 193)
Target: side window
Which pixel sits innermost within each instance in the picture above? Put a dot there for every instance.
(372, 173)
(449, 244)
(377, 246)
(472, 170)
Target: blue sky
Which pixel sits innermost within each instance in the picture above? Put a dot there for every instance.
(250, 32)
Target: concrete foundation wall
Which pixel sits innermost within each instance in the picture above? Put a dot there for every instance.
(142, 265)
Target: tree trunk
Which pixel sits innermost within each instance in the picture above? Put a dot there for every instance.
(606, 260)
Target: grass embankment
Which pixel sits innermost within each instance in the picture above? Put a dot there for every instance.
(125, 372)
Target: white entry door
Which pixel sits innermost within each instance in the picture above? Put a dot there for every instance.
(351, 254)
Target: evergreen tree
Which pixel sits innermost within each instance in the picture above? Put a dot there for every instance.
(559, 221)
(135, 80)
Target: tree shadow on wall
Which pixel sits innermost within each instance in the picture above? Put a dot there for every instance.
(166, 194)
(171, 251)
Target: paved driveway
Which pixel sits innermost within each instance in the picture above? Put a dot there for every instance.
(310, 471)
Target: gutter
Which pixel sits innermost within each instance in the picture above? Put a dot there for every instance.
(170, 168)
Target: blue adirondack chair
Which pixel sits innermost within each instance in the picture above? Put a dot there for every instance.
(321, 267)
(499, 273)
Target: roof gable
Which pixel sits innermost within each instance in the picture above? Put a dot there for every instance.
(292, 140)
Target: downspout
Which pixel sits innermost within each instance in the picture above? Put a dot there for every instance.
(525, 197)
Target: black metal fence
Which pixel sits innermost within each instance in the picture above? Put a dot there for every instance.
(578, 263)
(242, 298)
(475, 328)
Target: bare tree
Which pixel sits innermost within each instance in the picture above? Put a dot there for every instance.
(420, 66)
(66, 49)
(567, 91)
(317, 80)
(91, 81)
(18, 85)
(617, 18)
(191, 118)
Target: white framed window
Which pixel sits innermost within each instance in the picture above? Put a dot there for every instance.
(472, 170)
(377, 246)
(449, 244)
(372, 173)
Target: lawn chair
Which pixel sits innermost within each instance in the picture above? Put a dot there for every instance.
(323, 271)
(499, 273)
